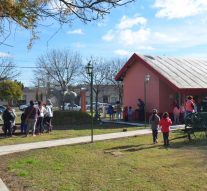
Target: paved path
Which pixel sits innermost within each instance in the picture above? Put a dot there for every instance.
(3, 187)
(71, 141)
(123, 122)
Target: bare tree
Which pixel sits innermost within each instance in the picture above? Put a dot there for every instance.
(58, 68)
(114, 67)
(7, 69)
(100, 75)
(29, 14)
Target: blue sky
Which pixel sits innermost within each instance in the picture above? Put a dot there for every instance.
(155, 27)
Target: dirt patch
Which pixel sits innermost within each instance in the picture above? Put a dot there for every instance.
(13, 182)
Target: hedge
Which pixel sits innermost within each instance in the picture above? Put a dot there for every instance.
(71, 117)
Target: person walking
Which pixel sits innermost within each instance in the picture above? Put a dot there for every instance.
(8, 118)
(154, 121)
(31, 115)
(165, 124)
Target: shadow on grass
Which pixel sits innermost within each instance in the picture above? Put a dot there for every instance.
(133, 148)
(88, 126)
(177, 142)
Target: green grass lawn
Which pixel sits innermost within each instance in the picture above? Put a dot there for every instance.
(66, 132)
(130, 164)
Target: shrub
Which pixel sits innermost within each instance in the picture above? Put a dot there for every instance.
(71, 117)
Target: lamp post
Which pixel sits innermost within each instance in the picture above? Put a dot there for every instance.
(146, 80)
(89, 71)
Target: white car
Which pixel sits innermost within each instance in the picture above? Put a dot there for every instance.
(72, 107)
(23, 107)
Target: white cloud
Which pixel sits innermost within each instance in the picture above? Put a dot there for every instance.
(127, 23)
(109, 36)
(165, 37)
(129, 37)
(121, 52)
(4, 54)
(174, 37)
(76, 31)
(180, 8)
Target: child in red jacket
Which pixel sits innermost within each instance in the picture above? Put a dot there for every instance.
(165, 123)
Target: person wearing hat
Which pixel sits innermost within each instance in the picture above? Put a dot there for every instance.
(154, 121)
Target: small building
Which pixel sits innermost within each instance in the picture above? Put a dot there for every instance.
(171, 80)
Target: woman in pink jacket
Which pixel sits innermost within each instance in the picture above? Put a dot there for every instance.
(165, 124)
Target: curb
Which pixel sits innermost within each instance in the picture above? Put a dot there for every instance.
(3, 187)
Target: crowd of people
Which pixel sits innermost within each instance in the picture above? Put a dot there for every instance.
(37, 119)
(126, 113)
(189, 107)
(179, 112)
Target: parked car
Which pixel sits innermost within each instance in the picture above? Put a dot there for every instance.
(100, 106)
(72, 107)
(23, 107)
(2, 109)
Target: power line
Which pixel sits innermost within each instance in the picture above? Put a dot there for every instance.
(29, 67)
(22, 67)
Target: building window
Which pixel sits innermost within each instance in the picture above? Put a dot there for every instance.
(105, 99)
(113, 99)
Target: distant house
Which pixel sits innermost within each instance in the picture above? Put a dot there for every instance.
(171, 80)
(107, 93)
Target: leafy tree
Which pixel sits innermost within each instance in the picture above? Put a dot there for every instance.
(10, 91)
(29, 13)
(20, 83)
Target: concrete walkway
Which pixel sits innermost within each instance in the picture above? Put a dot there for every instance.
(3, 187)
(69, 141)
(123, 122)
(8, 149)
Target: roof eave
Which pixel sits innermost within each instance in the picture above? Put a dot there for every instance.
(135, 57)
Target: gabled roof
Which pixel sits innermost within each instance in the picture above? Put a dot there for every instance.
(180, 73)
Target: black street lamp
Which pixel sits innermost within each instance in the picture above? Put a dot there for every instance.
(146, 80)
(89, 71)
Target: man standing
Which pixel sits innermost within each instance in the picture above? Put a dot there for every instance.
(141, 109)
(8, 117)
(31, 114)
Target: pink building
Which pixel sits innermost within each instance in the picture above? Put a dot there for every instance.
(171, 80)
